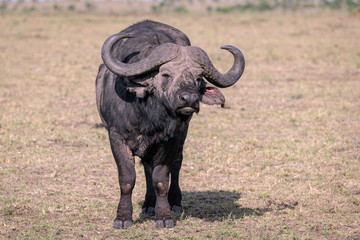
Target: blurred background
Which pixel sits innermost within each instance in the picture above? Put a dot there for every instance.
(280, 161)
(177, 6)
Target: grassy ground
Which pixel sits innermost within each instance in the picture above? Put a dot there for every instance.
(282, 161)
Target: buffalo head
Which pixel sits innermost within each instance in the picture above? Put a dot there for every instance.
(176, 74)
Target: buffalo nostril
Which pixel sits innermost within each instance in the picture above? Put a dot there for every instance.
(184, 97)
(189, 98)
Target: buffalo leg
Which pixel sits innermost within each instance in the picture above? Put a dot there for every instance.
(150, 197)
(160, 178)
(175, 196)
(126, 169)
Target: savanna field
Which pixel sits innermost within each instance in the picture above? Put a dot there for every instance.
(280, 161)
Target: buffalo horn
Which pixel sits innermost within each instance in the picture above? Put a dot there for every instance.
(160, 55)
(229, 78)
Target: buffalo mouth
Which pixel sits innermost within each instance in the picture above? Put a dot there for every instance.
(187, 110)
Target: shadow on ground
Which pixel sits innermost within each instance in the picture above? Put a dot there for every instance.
(217, 205)
(213, 206)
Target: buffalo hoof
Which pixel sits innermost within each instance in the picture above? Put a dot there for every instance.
(118, 224)
(150, 211)
(167, 223)
(176, 209)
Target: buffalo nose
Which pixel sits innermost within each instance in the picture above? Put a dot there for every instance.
(189, 99)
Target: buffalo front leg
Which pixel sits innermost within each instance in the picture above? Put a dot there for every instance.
(160, 179)
(126, 170)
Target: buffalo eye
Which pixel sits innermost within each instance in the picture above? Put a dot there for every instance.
(166, 80)
(200, 80)
(166, 76)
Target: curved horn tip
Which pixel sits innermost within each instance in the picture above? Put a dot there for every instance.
(227, 46)
(236, 53)
(233, 75)
(231, 48)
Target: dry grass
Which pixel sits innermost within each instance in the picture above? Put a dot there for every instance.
(281, 162)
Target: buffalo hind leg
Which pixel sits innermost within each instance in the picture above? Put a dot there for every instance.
(126, 169)
(150, 198)
(160, 179)
(175, 196)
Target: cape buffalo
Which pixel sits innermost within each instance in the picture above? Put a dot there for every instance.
(150, 84)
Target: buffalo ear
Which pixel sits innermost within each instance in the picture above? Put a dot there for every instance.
(140, 89)
(212, 95)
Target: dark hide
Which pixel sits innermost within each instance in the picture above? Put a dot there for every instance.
(148, 116)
